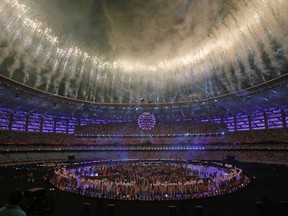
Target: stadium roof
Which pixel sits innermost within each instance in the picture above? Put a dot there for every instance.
(16, 96)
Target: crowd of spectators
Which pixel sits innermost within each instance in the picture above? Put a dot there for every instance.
(270, 146)
(21, 137)
(124, 129)
(258, 156)
(196, 139)
(179, 137)
(258, 136)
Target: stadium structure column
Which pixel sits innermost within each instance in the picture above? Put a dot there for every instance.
(41, 123)
(265, 120)
(283, 116)
(11, 121)
(235, 126)
(55, 125)
(249, 122)
(67, 126)
(27, 122)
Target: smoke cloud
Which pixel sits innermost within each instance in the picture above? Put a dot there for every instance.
(196, 49)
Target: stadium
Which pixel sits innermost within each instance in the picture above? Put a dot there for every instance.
(98, 98)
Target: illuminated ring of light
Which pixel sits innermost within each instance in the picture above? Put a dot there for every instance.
(146, 121)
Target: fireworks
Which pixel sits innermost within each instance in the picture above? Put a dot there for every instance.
(238, 44)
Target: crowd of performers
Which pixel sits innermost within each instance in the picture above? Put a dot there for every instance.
(150, 180)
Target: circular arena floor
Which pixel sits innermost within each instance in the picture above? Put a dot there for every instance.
(150, 179)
